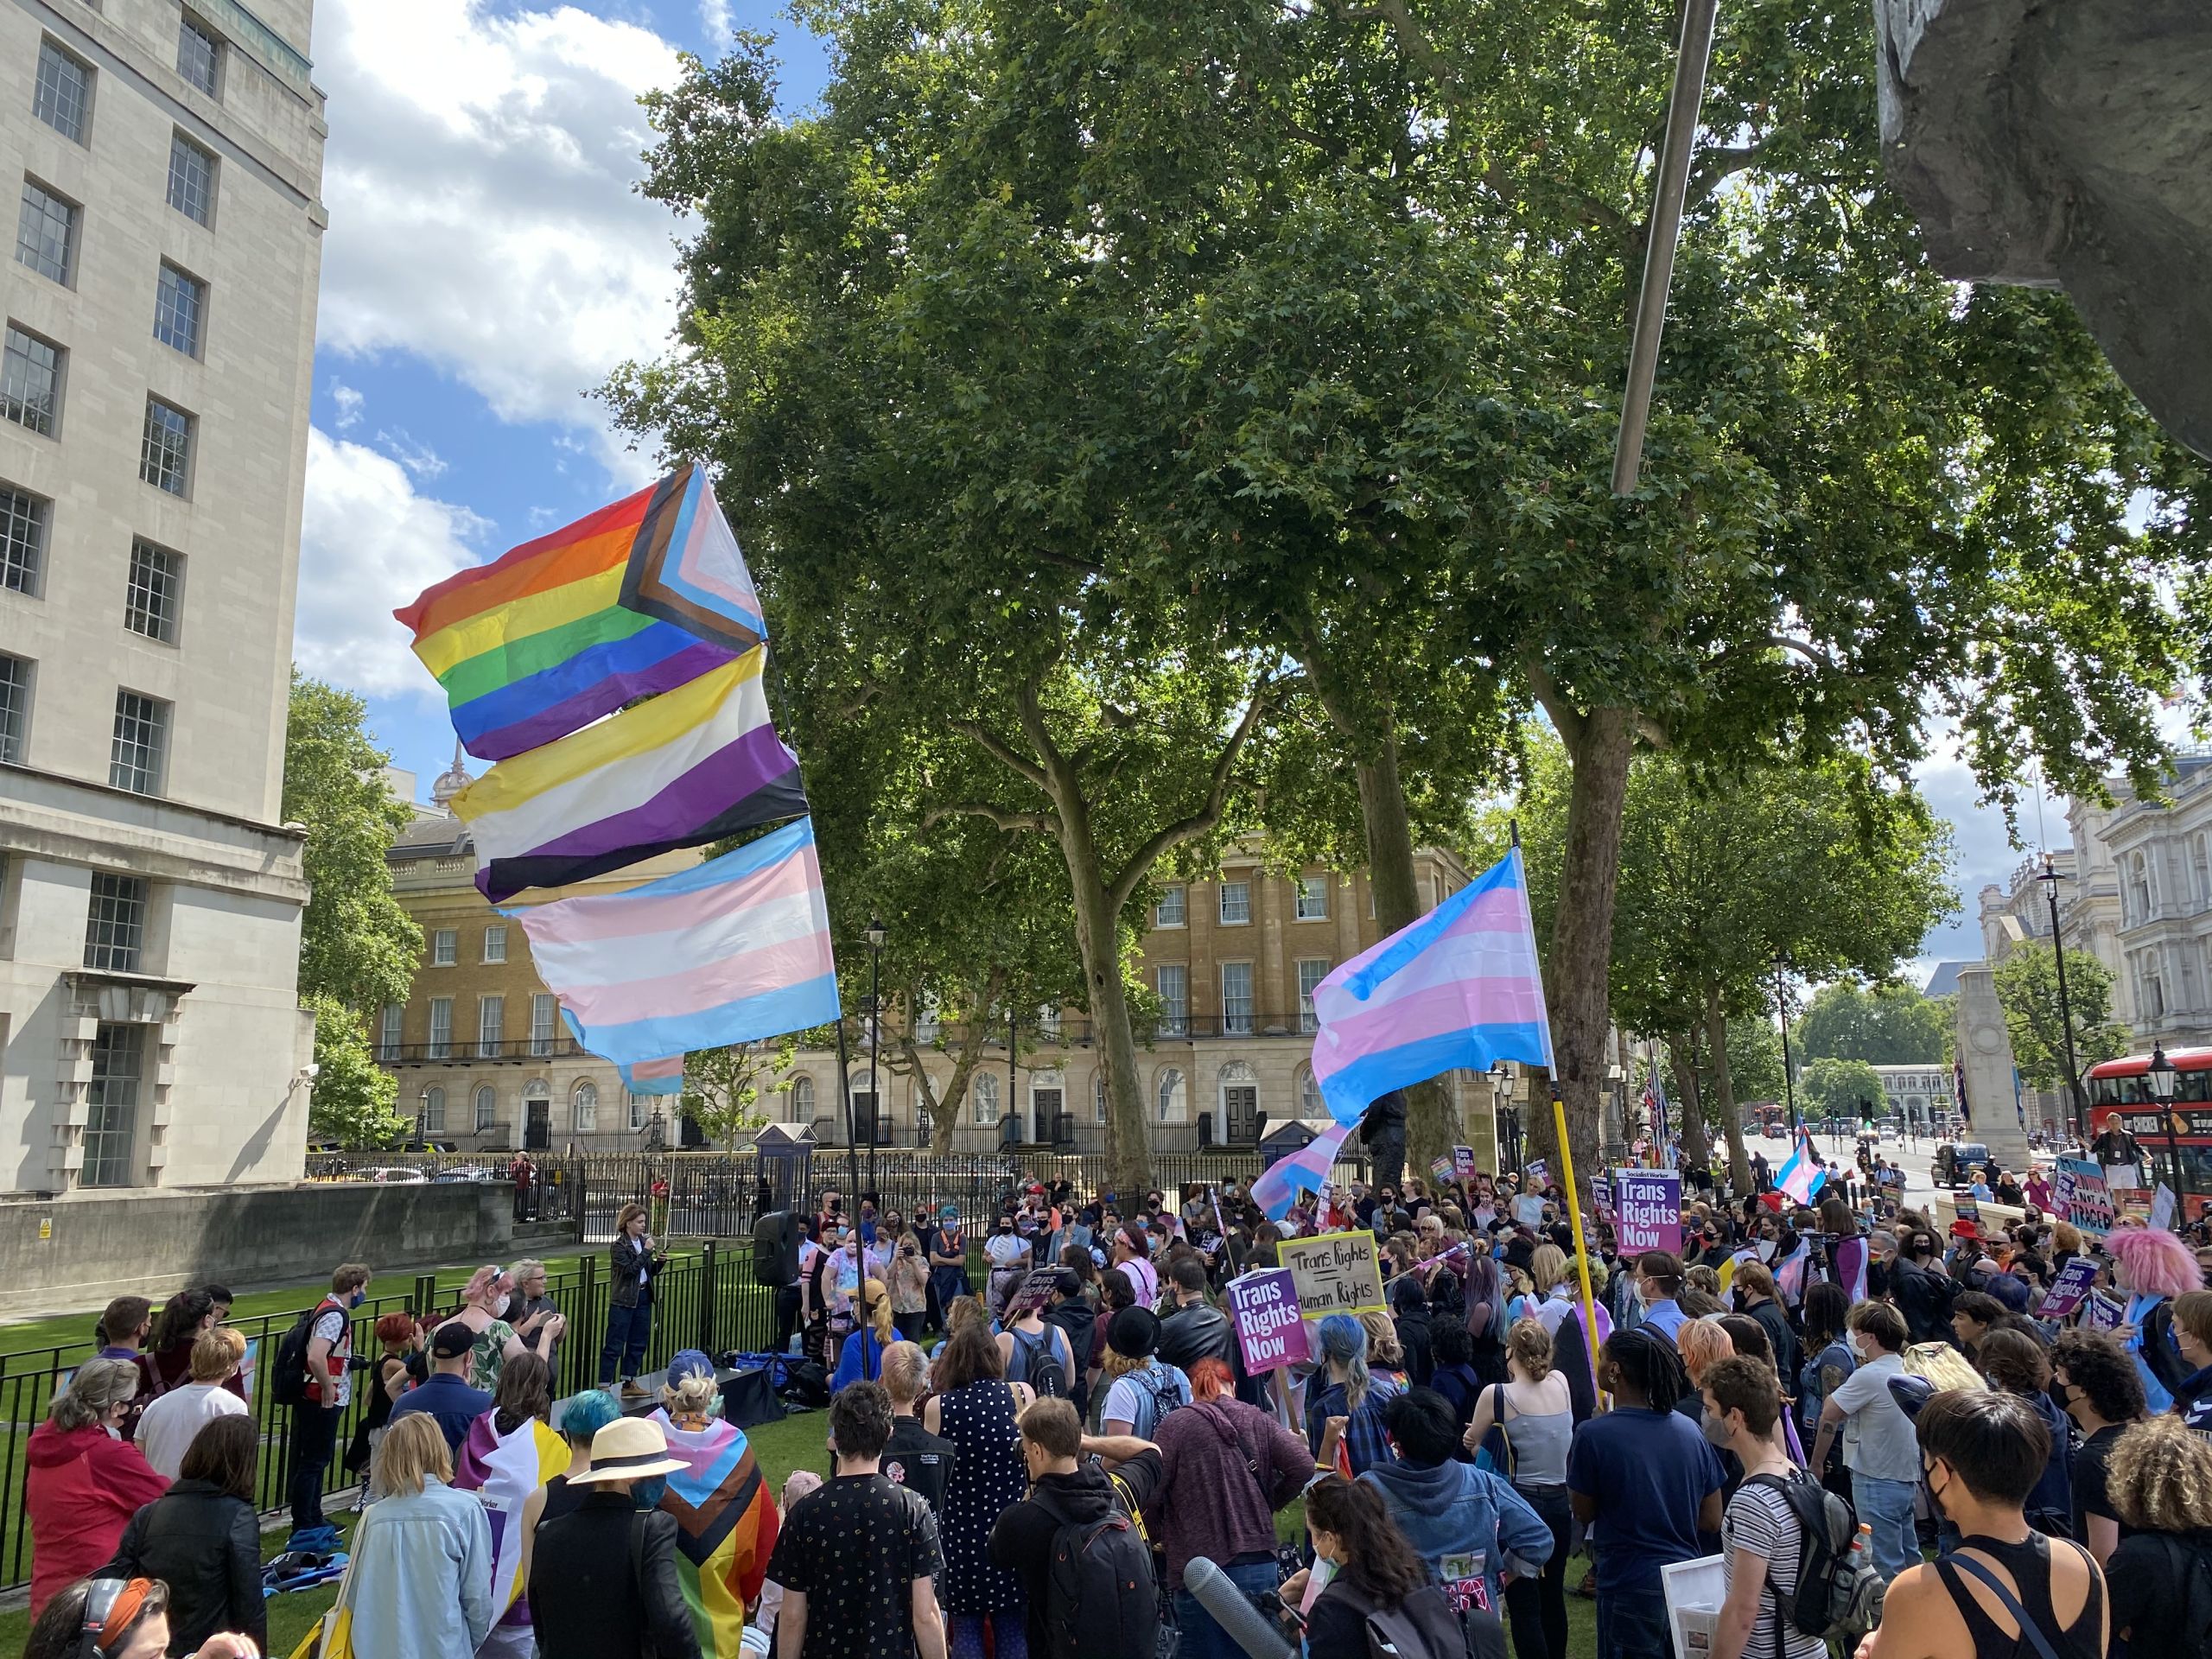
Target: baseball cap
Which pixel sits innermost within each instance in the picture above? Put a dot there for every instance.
(689, 1362)
(451, 1340)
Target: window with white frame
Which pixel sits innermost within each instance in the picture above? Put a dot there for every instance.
(487, 1107)
(441, 1046)
(1310, 1103)
(1170, 911)
(544, 1015)
(495, 943)
(110, 1136)
(928, 1022)
(491, 1025)
(394, 1019)
(192, 180)
(1174, 1099)
(2201, 862)
(1173, 980)
(1235, 903)
(445, 946)
(1313, 898)
(1236, 999)
(587, 1102)
(983, 1090)
(1048, 1021)
(115, 923)
(434, 1110)
(22, 540)
(640, 1109)
(1310, 974)
(62, 95)
(153, 593)
(141, 743)
(801, 1100)
(30, 381)
(15, 706)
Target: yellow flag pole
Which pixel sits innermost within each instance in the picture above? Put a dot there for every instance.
(1581, 1244)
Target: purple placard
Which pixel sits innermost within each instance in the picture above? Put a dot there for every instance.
(1268, 1327)
(2071, 1289)
(1649, 1203)
(2105, 1311)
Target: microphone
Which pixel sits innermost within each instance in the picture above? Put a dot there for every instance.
(1239, 1620)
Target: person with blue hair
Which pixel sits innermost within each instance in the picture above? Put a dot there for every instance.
(580, 1416)
(1352, 1392)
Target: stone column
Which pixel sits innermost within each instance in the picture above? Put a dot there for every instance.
(1986, 1056)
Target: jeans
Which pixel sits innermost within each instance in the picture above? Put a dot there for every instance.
(314, 1438)
(1536, 1608)
(1202, 1637)
(1632, 1624)
(1886, 1506)
(628, 1329)
(788, 1306)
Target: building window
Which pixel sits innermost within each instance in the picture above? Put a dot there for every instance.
(192, 180)
(154, 592)
(445, 944)
(983, 1090)
(544, 1010)
(434, 1110)
(491, 1025)
(2200, 857)
(1236, 999)
(1174, 1100)
(1173, 979)
(1310, 974)
(1313, 898)
(1310, 1103)
(30, 381)
(441, 1047)
(495, 943)
(64, 95)
(638, 1109)
(586, 1108)
(487, 1107)
(15, 706)
(199, 54)
(1235, 903)
(165, 452)
(395, 1015)
(115, 924)
(1048, 1022)
(22, 540)
(1098, 1096)
(928, 1023)
(801, 1100)
(180, 304)
(111, 1106)
(142, 738)
(46, 234)
(1170, 911)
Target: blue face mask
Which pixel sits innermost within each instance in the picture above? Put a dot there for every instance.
(646, 1493)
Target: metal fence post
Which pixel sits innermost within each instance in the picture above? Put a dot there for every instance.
(707, 1258)
(586, 1322)
(426, 1295)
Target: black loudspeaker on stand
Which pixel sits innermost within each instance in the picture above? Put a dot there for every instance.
(775, 1249)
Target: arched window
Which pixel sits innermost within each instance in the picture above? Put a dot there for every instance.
(434, 1110)
(487, 1107)
(587, 1104)
(801, 1100)
(983, 1088)
(1310, 1103)
(1174, 1101)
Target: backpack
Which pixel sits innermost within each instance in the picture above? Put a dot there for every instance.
(288, 1384)
(1160, 1389)
(1838, 1599)
(1423, 1626)
(1040, 1366)
(1100, 1602)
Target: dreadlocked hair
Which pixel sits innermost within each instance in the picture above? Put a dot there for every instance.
(1649, 1364)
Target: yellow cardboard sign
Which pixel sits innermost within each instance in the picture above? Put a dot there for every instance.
(1336, 1273)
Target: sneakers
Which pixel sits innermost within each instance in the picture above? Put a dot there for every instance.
(632, 1389)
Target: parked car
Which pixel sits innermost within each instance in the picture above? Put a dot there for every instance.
(466, 1172)
(393, 1177)
(1954, 1162)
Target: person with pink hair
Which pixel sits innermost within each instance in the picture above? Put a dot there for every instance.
(2154, 1266)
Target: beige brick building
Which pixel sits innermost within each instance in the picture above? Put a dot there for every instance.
(162, 169)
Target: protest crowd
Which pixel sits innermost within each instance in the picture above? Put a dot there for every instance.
(1084, 1431)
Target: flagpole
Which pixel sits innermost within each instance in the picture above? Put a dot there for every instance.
(1581, 1245)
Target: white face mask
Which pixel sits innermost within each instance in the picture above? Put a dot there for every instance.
(1856, 1344)
(507, 1301)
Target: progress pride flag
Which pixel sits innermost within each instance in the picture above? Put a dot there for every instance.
(1649, 1203)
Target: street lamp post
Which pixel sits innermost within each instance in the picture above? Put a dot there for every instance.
(2161, 1079)
(2051, 879)
(876, 935)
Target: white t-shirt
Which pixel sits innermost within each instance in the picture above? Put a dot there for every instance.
(167, 1427)
(1004, 1250)
(1759, 1520)
(1879, 1441)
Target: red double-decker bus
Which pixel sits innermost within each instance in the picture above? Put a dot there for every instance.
(2121, 1088)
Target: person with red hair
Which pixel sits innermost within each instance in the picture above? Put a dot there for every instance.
(1227, 1468)
(2154, 1266)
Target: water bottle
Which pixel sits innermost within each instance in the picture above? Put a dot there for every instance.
(1862, 1548)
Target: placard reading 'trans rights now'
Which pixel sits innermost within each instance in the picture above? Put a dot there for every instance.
(1269, 1327)
(1648, 1203)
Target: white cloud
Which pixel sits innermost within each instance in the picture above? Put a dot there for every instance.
(479, 178)
(349, 405)
(369, 542)
(714, 19)
(416, 457)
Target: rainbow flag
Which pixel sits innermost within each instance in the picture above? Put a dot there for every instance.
(691, 766)
(1460, 988)
(1275, 1188)
(729, 951)
(725, 1527)
(503, 1473)
(629, 601)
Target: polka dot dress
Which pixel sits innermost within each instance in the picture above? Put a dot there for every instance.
(987, 1477)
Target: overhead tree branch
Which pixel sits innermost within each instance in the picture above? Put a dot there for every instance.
(1000, 751)
(1042, 822)
(1264, 690)
(1567, 720)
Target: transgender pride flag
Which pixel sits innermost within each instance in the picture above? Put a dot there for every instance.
(1275, 1188)
(1461, 987)
(1803, 1175)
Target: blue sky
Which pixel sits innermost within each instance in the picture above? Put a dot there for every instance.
(486, 264)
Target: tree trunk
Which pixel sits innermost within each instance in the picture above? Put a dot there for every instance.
(1724, 1093)
(1578, 973)
(1397, 903)
(945, 1114)
(1696, 1148)
(1097, 930)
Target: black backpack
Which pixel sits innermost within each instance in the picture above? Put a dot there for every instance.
(1838, 1599)
(1040, 1366)
(1100, 1602)
(288, 1386)
(1162, 1390)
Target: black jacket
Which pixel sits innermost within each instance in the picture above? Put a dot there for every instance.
(1190, 1334)
(586, 1601)
(206, 1546)
(629, 1257)
(1924, 1299)
(1079, 1323)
